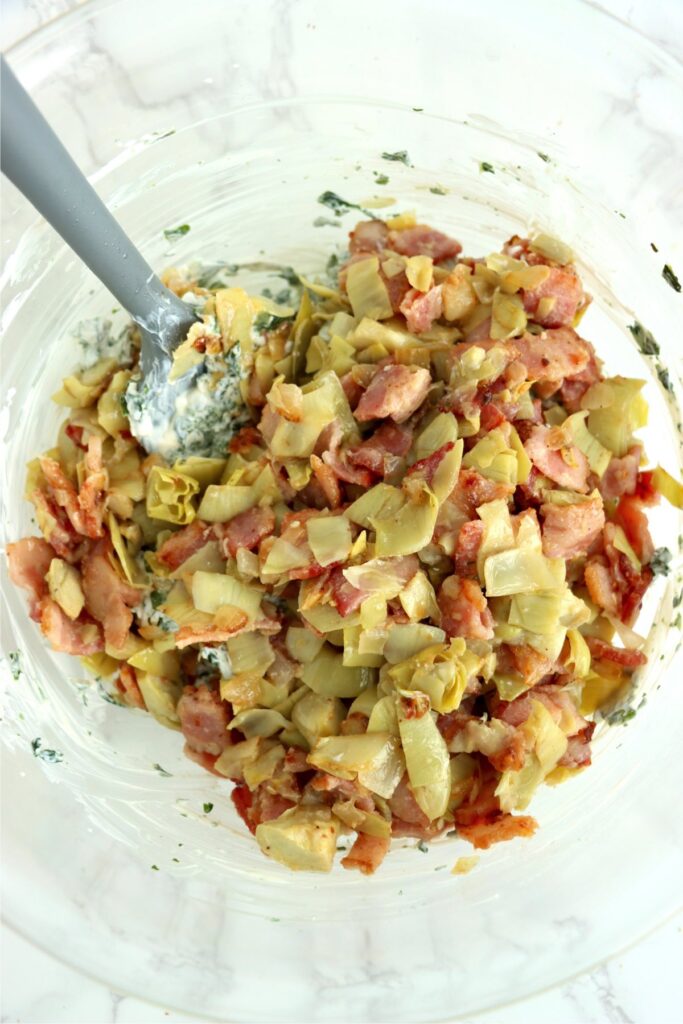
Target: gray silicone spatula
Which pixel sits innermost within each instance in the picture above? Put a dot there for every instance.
(35, 160)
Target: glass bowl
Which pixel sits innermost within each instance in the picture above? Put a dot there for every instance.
(234, 120)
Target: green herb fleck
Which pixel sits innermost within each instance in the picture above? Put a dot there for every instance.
(621, 716)
(670, 277)
(290, 275)
(654, 247)
(437, 190)
(381, 179)
(275, 919)
(678, 599)
(335, 203)
(175, 860)
(45, 754)
(124, 405)
(154, 867)
(270, 321)
(170, 234)
(644, 339)
(422, 846)
(162, 771)
(620, 214)
(157, 598)
(487, 167)
(665, 379)
(332, 263)
(660, 562)
(399, 157)
(14, 658)
(208, 807)
(677, 622)
(544, 157)
(418, 110)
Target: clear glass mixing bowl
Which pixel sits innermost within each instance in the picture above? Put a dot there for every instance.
(234, 118)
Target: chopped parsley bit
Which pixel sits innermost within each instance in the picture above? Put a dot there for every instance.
(162, 771)
(418, 110)
(208, 807)
(677, 622)
(14, 658)
(335, 203)
(654, 247)
(175, 860)
(621, 717)
(381, 179)
(399, 157)
(670, 277)
(452, 832)
(157, 598)
(154, 867)
(422, 846)
(486, 166)
(270, 321)
(665, 380)
(678, 599)
(659, 562)
(276, 919)
(620, 214)
(644, 339)
(124, 405)
(437, 190)
(544, 157)
(50, 756)
(170, 234)
(440, 867)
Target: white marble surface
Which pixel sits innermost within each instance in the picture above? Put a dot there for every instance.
(643, 985)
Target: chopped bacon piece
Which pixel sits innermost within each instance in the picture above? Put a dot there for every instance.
(467, 548)
(578, 752)
(397, 287)
(619, 655)
(211, 634)
(490, 418)
(82, 638)
(483, 834)
(423, 470)
(570, 530)
(93, 493)
(563, 287)
(464, 611)
(621, 475)
(382, 451)
(421, 309)
(296, 760)
(127, 685)
(600, 585)
(29, 560)
(338, 464)
(328, 480)
(64, 493)
(405, 808)
(395, 391)
(567, 466)
(204, 719)
(330, 438)
(574, 388)
(353, 389)
(177, 548)
(205, 761)
(245, 438)
(473, 489)
(531, 665)
(646, 491)
(245, 530)
(367, 853)
(421, 240)
(242, 799)
(633, 521)
(108, 598)
(553, 355)
(368, 236)
(347, 599)
(629, 584)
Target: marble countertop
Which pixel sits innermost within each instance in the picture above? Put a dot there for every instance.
(643, 984)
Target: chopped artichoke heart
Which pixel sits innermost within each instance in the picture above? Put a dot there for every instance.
(446, 473)
(161, 696)
(418, 599)
(328, 675)
(169, 496)
(616, 409)
(303, 645)
(250, 652)
(598, 456)
(324, 618)
(521, 571)
(508, 317)
(264, 767)
(442, 671)
(211, 591)
(374, 758)
(537, 613)
(367, 291)
(303, 838)
(329, 538)
(427, 763)
(442, 430)
(384, 716)
(579, 657)
(407, 639)
(408, 530)
(64, 584)
(259, 722)
(548, 744)
(493, 457)
(352, 656)
(621, 544)
(552, 248)
(420, 272)
(379, 502)
(204, 470)
(668, 487)
(222, 502)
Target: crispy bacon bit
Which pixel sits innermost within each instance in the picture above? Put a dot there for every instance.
(600, 585)
(619, 655)
(29, 560)
(177, 548)
(421, 240)
(367, 853)
(578, 752)
(346, 599)
(93, 493)
(338, 464)
(204, 719)
(567, 466)
(629, 584)
(107, 597)
(368, 236)
(631, 517)
(328, 481)
(483, 834)
(127, 685)
(621, 475)
(553, 355)
(467, 548)
(421, 309)
(63, 634)
(212, 634)
(242, 799)
(563, 288)
(423, 470)
(571, 530)
(395, 391)
(245, 530)
(382, 451)
(464, 611)
(531, 665)
(645, 490)
(405, 808)
(205, 761)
